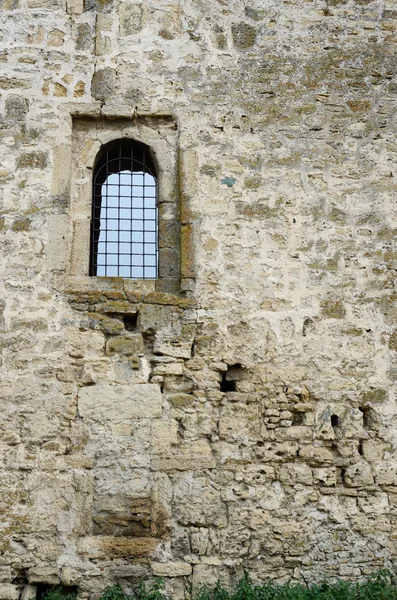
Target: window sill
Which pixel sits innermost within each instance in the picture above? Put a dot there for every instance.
(115, 294)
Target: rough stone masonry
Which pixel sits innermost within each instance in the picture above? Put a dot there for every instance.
(240, 412)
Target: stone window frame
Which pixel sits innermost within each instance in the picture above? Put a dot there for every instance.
(69, 230)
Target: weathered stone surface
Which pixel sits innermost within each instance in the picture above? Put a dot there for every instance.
(104, 402)
(126, 346)
(265, 440)
(103, 84)
(171, 569)
(110, 547)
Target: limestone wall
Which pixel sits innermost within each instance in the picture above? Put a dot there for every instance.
(245, 419)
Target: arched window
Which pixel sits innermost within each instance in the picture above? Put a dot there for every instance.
(124, 224)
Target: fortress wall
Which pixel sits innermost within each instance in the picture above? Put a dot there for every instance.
(245, 419)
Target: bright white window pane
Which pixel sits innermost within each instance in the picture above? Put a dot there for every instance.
(101, 247)
(125, 225)
(150, 214)
(125, 202)
(101, 259)
(100, 271)
(150, 202)
(150, 192)
(137, 202)
(149, 179)
(137, 236)
(150, 226)
(150, 272)
(137, 248)
(150, 236)
(137, 272)
(112, 271)
(112, 224)
(137, 260)
(112, 259)
(124, 271)
(111, 201)
(125, 248)
(125, 236)
(112, 248)
(110, 190)
(150, 260)
(137, 213)
(150, 249)
(112, 236)
(137, 178)
(125, 213)
(137, 225)
(125, 177)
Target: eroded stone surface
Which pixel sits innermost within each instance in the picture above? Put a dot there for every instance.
(245, 421)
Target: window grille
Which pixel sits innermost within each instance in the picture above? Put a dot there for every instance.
(124, 224)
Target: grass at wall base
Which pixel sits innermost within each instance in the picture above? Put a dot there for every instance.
(377, 587)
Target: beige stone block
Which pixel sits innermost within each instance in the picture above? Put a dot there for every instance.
(195, 457)
(171, 569)
(130, 18)
(316, 455)
(358, 475)
(130, 345)
(29, 592)
(177, 346)
(113, 547)
(58, 233)
(75, 7)
(168, 369)
(9, 591)
(43, 575)
(293, 473)
(52, 4)
(386, 474)
(106, 403)
(80, 254)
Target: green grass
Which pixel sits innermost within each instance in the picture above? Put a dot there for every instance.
(377, 587)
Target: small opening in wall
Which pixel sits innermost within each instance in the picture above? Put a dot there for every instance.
(298, 418)
(343, 475)
(230, 376)
(335, 421)
(360, 448)
(67, 592)
(130, 322)
(368, 418)
(226, 385)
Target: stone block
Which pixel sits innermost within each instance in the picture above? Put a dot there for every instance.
(75, 7)
(130, 18)
(154, 317)
(293, 473)
(44, 575)
(32, 160)
(16, 106)
(96, 547)
(106, 403)
(358, 475)
(8, 591)
(171, 569)
(51, 4)
(103, 84)
(129, 345)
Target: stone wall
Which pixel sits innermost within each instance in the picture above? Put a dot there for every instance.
(246, 420)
